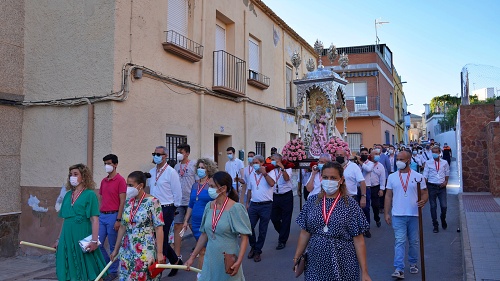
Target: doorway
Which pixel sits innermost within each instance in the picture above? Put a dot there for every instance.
(221, 143)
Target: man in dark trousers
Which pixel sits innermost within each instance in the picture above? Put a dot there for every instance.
(281, 213)
(447, 154)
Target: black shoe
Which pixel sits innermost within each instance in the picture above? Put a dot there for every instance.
(257, 258)
(436, 229)
(367, 234)
(173, 272)
(379, 224)
(444, 225)
(280, 246)
(251, 254)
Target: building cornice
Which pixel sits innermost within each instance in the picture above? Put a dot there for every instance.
(281, 23)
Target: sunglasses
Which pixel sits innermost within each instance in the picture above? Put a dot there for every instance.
(157, 154)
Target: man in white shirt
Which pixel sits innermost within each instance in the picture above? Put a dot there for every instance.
(353, 176)
(402, 201)
(436, 173)
(377, 181)
(281, 213)
(313, 185)
(416, 160)
(426, 154)
(165, 185)
(187, 175)
(246, 172)
(366, 169)
(234, 167)
(260, 191)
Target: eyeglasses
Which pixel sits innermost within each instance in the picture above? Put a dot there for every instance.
(157, 154)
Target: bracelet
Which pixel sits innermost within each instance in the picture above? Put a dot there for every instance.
(94, 241)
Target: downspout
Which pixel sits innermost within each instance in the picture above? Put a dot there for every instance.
(202, 82)
(90, 135)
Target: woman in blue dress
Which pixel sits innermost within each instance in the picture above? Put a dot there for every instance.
(205, 169)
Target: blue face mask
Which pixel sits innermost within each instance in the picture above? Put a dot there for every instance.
(273, 163)
(230, 156)
(435, 155)
(157, 159)
(212, 192)
(320, 166)
(250, 160)
(376, 158)
(201, 173)
(256, 167)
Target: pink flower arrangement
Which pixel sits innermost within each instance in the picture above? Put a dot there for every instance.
(294, 150)
(335, 144)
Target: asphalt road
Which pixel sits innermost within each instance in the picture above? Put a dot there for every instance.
(443, 252)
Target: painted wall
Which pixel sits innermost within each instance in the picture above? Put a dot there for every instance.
(449, 137)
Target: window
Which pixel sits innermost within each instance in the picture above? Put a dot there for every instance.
(358, 92)
(293, 136)
(260, 148)
(354, 141)
(290, 102)
(172, 142)
(178, 16)
(387, 137)
(391, 100)
(253, 55)
(393, 140)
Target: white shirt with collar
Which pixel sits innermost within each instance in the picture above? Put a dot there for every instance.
(377, 176)
(366, 169)
(233, 168)
(427, 155)
(281, 185)
(436, 171)
(261, 190)
(353, 176)
(168, 186)
(316, 184)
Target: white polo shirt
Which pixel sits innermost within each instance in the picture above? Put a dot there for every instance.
(405, 205)
(233, 168)
(261, 191)
(316, 184)
(353, 176)
(436, 171)
(168, 186)
(281, 185)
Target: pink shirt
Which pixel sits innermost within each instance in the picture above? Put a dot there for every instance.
(110, 193)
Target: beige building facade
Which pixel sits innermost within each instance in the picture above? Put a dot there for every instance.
(123, 77)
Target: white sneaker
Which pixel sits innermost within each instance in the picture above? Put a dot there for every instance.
(413, 269)
(398, 274)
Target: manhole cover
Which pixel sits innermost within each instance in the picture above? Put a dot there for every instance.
(480, 203)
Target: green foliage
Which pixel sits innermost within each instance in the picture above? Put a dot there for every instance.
(487, 101)
(444, 100)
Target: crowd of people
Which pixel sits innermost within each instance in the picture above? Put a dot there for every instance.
(223, 209)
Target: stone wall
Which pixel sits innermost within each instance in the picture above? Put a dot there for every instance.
(493, 148)
(9, 230)
(473, 122)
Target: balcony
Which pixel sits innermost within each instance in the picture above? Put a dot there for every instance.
(182, 46)
(361, 104)
(258, 80)
(229, 74)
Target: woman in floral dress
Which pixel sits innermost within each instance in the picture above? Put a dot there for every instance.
(142, 221)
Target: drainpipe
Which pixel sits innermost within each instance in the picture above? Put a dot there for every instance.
(90, 135)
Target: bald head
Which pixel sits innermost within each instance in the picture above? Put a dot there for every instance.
(403, 156)
(341, 153)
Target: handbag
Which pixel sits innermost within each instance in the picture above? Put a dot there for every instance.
(153, 271)
(84, 243)
(229, 260)
(300, 264)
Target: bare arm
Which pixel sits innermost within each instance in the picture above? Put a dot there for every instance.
(269, 180)
(425, 196)
(310, 183)
(119, 238)
(187, 217)
(362, 201)
(159, 244)
(123, 197)
(359, 245)
(202, 241)
(301, 245)
(388, 206)
(241, 254)
(94, 220)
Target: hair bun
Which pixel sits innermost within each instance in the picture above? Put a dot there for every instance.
(147, 175)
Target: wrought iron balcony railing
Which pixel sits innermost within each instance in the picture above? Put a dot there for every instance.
(229, 74)
(258, 80)
(182, 46)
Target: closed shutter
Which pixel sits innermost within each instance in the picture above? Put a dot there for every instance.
(356, 90)
(220, 38)
(288, 87)
(220, 70)
(253, 55)
(354, 141)
(178, 16)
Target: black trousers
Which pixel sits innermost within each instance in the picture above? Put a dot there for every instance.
(168, 217)
(375, 202)
(281, 214)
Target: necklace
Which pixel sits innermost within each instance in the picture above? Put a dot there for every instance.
(74, 197)
(405, 186)
(216, 218)
(160, 172)
(182, 171)
(134, 211)
(326, 217)
(200, 188)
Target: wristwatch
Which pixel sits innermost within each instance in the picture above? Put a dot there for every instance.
(118, 219)
(364, 195)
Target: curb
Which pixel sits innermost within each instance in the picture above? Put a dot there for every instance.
(468, 265)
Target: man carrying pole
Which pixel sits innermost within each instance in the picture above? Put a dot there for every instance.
(402, 211)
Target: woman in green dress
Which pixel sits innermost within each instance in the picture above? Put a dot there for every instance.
(224, 219)
(80, 211)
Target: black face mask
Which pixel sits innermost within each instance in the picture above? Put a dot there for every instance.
(384, 150)
(364, 157)
(340, 159)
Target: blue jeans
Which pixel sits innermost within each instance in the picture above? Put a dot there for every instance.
(405, 227)
(437, 192)
(106, 229)
(256, 213)
(366, 209)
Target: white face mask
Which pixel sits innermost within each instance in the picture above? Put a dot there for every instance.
(109, 169)
(132, 192)
(73, 181)
(180, 157)
(330, 186)
(400, 165)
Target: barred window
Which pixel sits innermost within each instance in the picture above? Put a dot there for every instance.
(260, 148)
(172, 142)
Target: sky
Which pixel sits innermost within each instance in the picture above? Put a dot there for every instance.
(431, 41)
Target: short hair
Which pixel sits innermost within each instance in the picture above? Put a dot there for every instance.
(391, 146)
(436, 147)
(327, 156)
(364, 149)
(231, 149)
(165, 150)
(112, 157)
(278, 155)
(186, 147)
(260, 158)
(251, 152)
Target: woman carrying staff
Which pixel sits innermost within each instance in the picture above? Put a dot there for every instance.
(223, 220)
(141, 231)
(205, 169)
(332, 230)
(80, 211)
